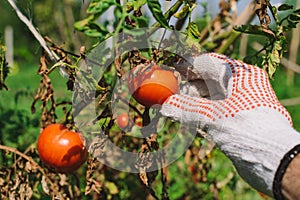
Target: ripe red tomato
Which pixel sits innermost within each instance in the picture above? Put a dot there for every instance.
(61, 148)
(154, 86)
(123, 121)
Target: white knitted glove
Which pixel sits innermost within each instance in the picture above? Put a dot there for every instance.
(243, 116)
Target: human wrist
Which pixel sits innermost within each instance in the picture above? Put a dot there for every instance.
(287, 178)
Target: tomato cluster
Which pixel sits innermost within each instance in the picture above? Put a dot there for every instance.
(61, 148)
(64, 150)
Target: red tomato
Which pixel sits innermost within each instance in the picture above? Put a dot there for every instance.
(153, 86)
(61, 148)
(123, 121)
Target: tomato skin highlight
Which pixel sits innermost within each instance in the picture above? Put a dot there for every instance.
(153, 87)
(61, 148)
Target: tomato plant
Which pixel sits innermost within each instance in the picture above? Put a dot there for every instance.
(61, 148)
(153, 86)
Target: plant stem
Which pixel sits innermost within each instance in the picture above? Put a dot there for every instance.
(233, 35)
(33, 30)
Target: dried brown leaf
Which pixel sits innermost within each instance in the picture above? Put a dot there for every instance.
(25, 191)
(63, 179)
(45, 185)
(143, 177)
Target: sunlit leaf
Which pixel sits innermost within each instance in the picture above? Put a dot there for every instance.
(193, 31)
(271, 69)
(277, 46)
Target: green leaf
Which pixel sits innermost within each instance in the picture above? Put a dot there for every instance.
(183, 12)
(271, 69)
(291, 24)
(156, 11)
(134, 32)
(275, 58)
(294, 17)
(92, 29)
(100, 6)
(93, 33)
(142, 21)
(283, 7)
(277, 45)
(4, 68)
(81, 25)
(193, 31)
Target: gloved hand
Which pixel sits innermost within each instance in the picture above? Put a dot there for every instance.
(243, 115)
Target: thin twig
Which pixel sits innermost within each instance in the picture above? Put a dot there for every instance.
(33, 30)
(28, 158)
(290, 102)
